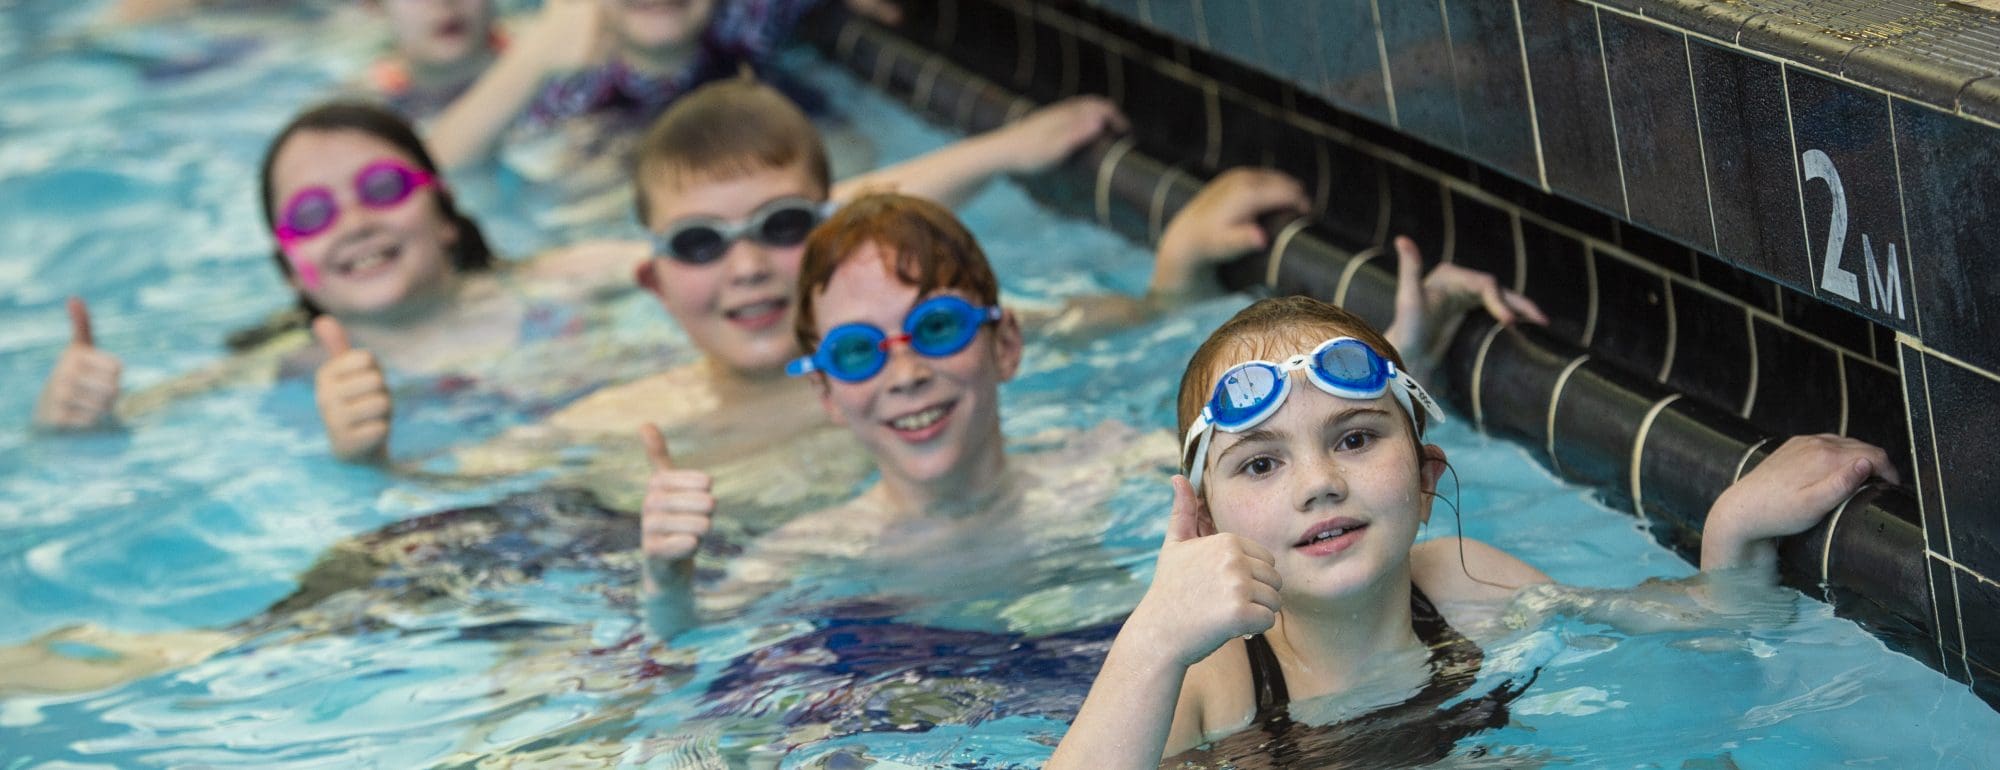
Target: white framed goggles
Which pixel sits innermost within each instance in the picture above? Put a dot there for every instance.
(1248, 393)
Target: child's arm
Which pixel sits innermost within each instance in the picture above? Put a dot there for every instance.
(1207, 588)
(565, 36)
(1424, 302)
(1786, 494)
(677, 513)
(1029, 145)
(589, 269)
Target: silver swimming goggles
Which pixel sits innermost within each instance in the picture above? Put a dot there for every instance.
(1250, 392)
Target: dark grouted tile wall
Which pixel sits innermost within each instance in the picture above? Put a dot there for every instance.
(1547, 92)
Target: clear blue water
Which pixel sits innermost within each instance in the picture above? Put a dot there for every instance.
(128, 176)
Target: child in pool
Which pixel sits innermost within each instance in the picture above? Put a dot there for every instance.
(1289, 565)
(392, 273)
(440, 49)
(924, 403)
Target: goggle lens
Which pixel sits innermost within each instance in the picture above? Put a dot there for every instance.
(1245, 392)
(936, 327)
(698, 241)
(939, 331)
(788, 226)
(1351, 364)
(697, 245)
(310, 213)
(855, 354)
(384, 184)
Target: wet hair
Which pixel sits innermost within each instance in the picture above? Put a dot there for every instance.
(1272, 330)
(724, 130)
(921, 240)
(469, 254)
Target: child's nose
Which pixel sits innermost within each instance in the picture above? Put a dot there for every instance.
(1322, 481)
(748, 262)
(908, 371)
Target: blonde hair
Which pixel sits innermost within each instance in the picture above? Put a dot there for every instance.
(725, 130)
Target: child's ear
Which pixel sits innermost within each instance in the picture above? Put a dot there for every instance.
(1431, 464)
(1007, 344)
(825, 391)
(1204, 522)
(647, 277)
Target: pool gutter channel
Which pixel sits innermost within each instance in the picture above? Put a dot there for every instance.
(1648, 451)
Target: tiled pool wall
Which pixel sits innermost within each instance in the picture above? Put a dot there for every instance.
(1668, 187)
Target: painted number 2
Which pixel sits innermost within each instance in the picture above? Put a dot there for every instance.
(1883, 295)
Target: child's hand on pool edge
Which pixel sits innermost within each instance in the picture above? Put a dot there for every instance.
(1424, 302)
(352, 396)
(1786, 494)
(1046, 136)
(83, 386)
(1207, 587)
(676, 515)
(1219, 224)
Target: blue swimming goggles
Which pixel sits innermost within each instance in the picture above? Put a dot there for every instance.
(1250, 392)
(936, 327)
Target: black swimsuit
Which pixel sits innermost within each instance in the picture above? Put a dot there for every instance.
(1417, 731)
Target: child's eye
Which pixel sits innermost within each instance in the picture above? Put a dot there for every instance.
(1357, 440)
(1258, 466)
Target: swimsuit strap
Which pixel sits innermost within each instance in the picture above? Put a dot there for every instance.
(1267, 678)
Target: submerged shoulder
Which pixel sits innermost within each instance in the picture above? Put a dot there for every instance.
(1216, 698)
(1455, 569)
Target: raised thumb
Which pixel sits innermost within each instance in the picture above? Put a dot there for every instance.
(1184, 523)
(656, 447)
(79, 324)
(330, 335)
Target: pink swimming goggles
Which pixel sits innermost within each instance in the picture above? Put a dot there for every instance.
(383, 184)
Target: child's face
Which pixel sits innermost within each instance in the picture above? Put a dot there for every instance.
(369, 260)
(922, 418)
(657, 25)
(439, 32)
(1324, 462)
(737, 309)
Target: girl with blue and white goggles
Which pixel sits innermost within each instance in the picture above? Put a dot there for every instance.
(1248, 393)
(936, 327)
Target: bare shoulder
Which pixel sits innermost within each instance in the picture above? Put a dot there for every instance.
(673, 396)
(1216, 698)
(1483, 573)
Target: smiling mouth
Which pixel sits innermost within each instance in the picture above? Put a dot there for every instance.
(757, 315)
(923, 424)
(363, 261)
(1328, 531)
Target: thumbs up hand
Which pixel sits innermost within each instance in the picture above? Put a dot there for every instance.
(352, 395)
(678, 509)
(1207, 587)
(83, 387)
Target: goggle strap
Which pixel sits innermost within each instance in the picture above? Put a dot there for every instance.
(800, 367)
(1202, 431)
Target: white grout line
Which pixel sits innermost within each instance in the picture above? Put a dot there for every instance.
(1200, 25)
(1323, 193)
(1896, 153)
(1949, 358)
(926, 82)
(967, 99)
(1792, 135)
(1105, 168)
(1976, 576)
(1639, 451)
(1458, 107)
(1534, 114)
(1019, 108)
(1479, 377)
(1910, 430)
(1520, 252)
(885, 62)
(1937, 460)
(1673, 331)
(1750, 393)
(1278, 247)
(1450, 226)
(1840, 362)
(843, 46)
(1743, 461)
(1347, 273)
(1701, 142)
(1156, 212)
(1590, 277)
(1555, 398)
(1930, 575)
(1833, 527)
(1611, 107)
(1382, 54)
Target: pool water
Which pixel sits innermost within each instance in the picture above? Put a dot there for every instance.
(127, 174)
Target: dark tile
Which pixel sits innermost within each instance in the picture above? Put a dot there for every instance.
(984, 39)
(1421, 82)
(1235, 32)
(1981, 98)
(1416, 209)
(1652, 98)
(1979, 609)
(1923, 449)
(1656, 250)
(1356, 196)
(1289, 33)
(1746, 287)
(1493, 87)
(1482, 238)
(1296, 150)
(1833, 324)
(1951, 174)
(1876, 412)
(1966, 429)
(1093, 68)
(1885, 345)
(1752, 172)
(1944, 599)
(1126, 8)
(1596, 425)
(1566, 72)
(1247, 135)
(1174, 17)
(1558, 279)
(1167, 111)
(1853, 208)
(1689, 458)
(1573, 215)
(1712, 355)
(1053, 73)
(1631, 317)
(1798, 383)
(1351, 55)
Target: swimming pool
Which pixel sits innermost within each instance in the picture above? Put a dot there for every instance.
(206, 512)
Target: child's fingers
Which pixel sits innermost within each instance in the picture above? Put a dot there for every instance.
(1409, 280)
(79, 324)
(1257, 552)
(656, 447)
(1264, 596)
(1183, 523)
(1266, 574)
(1526, 308)
(693, 503)
(330, 335)
(659, 525)
(679, 480)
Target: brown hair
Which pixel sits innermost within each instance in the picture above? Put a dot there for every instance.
(1273, 329)
(922, 241)
(724, 130)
